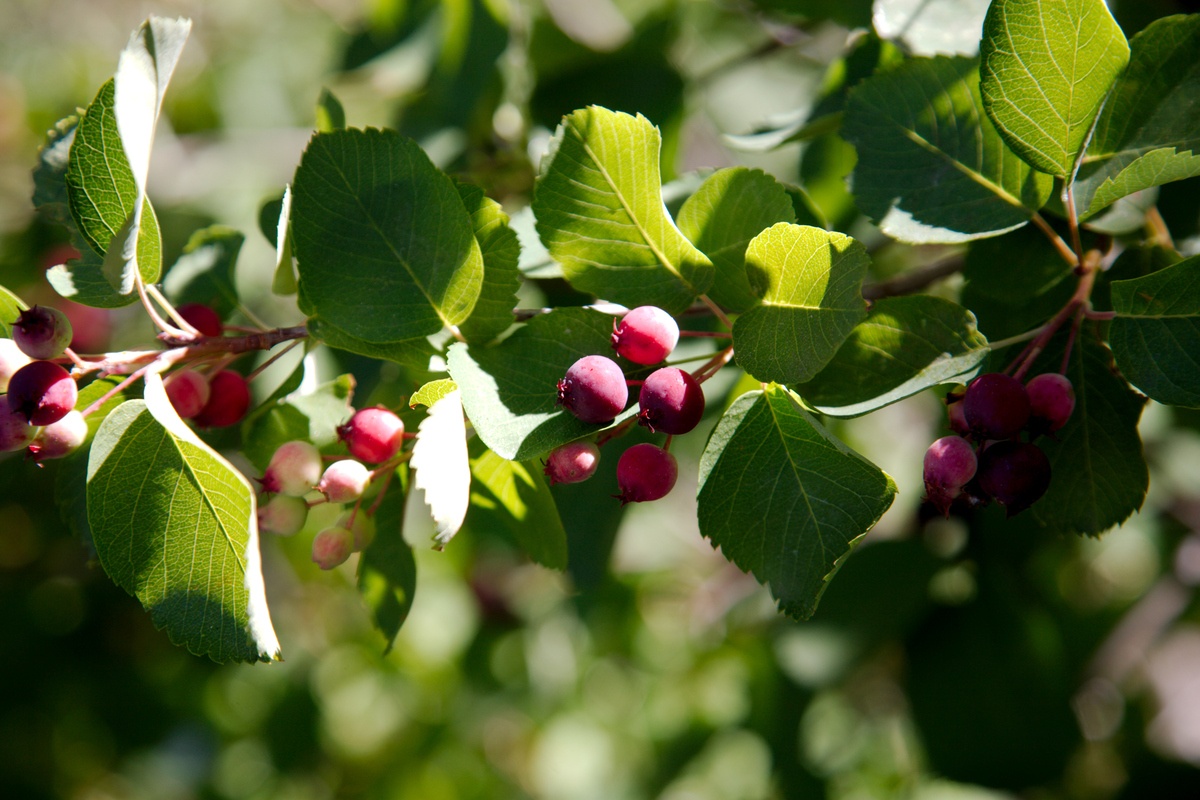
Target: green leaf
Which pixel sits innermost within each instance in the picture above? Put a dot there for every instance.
(600, 213)
(411, 353)
(431, 392)
(283, 282)
(174, 525)
(811, 286)
(385, 249)
(509, 390)
(784, 499)
(1098, 472)
(1156, 334)
(387, 573)
(905, 345)
(11, 307)
(49, 176)
(931, 166)
(205, 272)
(1149, 131)
(1047, 66)
(493, 312)
(1015, 282)
(515, 494)
(314, 416)
(330, 114)
(729, 209)
(931, 27)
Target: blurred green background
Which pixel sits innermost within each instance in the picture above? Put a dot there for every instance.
(947, 661)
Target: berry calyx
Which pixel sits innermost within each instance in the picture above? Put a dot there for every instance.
(202, 318)
(594, 389)
(1051, 402)
(574, 462)
(283, 515)
(11, 360)
(15, 431)
(332, 547)
(188, 392)
(950, 464)
(645, 472)
(42, 392)
(294, 469)
(42, 332)
(1014, 474)
(671, 401)
(646, 335)
(373, 435)
(344, 481)
(61, 438)
(228, 401)
(996, 406)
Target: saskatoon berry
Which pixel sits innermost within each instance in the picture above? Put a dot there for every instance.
(373, 435)
(949, 464)
(671, 401)
(283, 515)
(1051, 402)
(645, 335)
(188, 392)
(1014, 474)
(996, 406)
(362, 528)
(294, 469)
(344, 481)
(202, 318)
(572, 463)
(332, 547)
(11, 360)
(42, 332)
(61, 438)
(228, 401)
(15, 432)
(644, 473)
(42, 392)
(594, 389)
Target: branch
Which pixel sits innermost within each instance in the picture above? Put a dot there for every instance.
(914, 280)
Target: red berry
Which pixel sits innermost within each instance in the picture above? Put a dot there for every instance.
(202, 318)
(294, 469)
(645, 335)
(61, 438)
(949, 464)
(996, 406)
(332, 547)
(574, 462)
(15, 432)
(42, 392)
(373, 435)
(671, 401)
(228, 401)
(1051, 402)
(344, 481)
(1014, 474)
(42, 332)
(188, 392)
(11, 360)
(594, 389)
(645, 473)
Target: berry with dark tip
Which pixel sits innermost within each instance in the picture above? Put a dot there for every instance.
(42, 392)
(1051, 402)
(11, 360)
(283, 515)
(996, 406)
(332, 547)
(671, 401)
(202, 318)
(645, 335)
(344, 481)
(42, 332)
(228, 401)
(294, 469)
(574, 462)
(188, 392)
(373, 435)
(15, 431)
(61, 438)
(594, 389)
(950, 464)
(645, 473)
(1014, 474)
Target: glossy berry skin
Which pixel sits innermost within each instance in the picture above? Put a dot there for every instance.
(594, 389)
(42, 392)
(996, 406)
(42, 332)
(373, 435)
(646, 335)
(15, 432)
(574, 462)
(1051, 401)
(11, 360)
(332, 547)
(294, 469)
(949, 464)
(228, 401)
(1014, 474)
(283, 515)
(671, 401)
(645, 473)
(188, 392)
(202, 318)
(344, 481)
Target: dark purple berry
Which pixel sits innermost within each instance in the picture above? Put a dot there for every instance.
(996, 406)
(949, 464)
(645, 473)
(574, 462)
(645, 335)
(1051, 402)
(594, 389)
(1014, 474)
(373, 435)
(42, 392)
(202, 318)
(671, 401)
(42, 332)
(228, 401)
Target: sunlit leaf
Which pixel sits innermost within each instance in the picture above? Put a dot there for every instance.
(501, 251)
(515, 494)
(443, 472)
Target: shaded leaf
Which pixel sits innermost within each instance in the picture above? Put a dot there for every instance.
(501, 251)
(205, 272)
(1015, 282)
(330, 114)
(411, 353)
(515, 494)
(286, 415)
(387, 573)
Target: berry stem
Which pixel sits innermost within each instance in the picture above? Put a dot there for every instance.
(104, 398)
(263, 366)
(1157, 226)
(1060, 246)
(708, 334)
(180, 323)
(716, 310)
(1073, 223)
(1079, 301)
(714, 365)
(185, 333)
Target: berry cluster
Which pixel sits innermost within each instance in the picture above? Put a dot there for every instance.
(985, 460)
(596, 390)
(216, 399)
(37, 412)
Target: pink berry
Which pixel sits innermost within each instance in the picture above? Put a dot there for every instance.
(344, 481)
(949, 464)
(332, 547)
(11, 360)
(574, 462)
(15, 432)
(42, 392)
(42, 332)
(361, 527)
(188, 392)
(61, 438)
(283, 515)
(228, 401)
(1051, 401)
(294, 469)
(1014, 474)
(202, 318)
(373, 435)
(645, 335)
(996, 406)
(671, 401)
(645, 473)
(594, 389)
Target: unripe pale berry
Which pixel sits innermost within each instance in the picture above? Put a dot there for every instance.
(283, 515)
(188, 392)
(361, 527)
(294, 469)
(996, 406)
(949, 464)
(594, 389)
(1051, 401)
(645, 473)
(42, 392)
(574, 462)
(42, 332)
(15, 432)
(228, 401)
(373, 435)
(1014, 474)
(202, 318)
(645, 335)
(344, 481)
(11, 360)
(671, 401)
(332, 547)
(61, 438)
